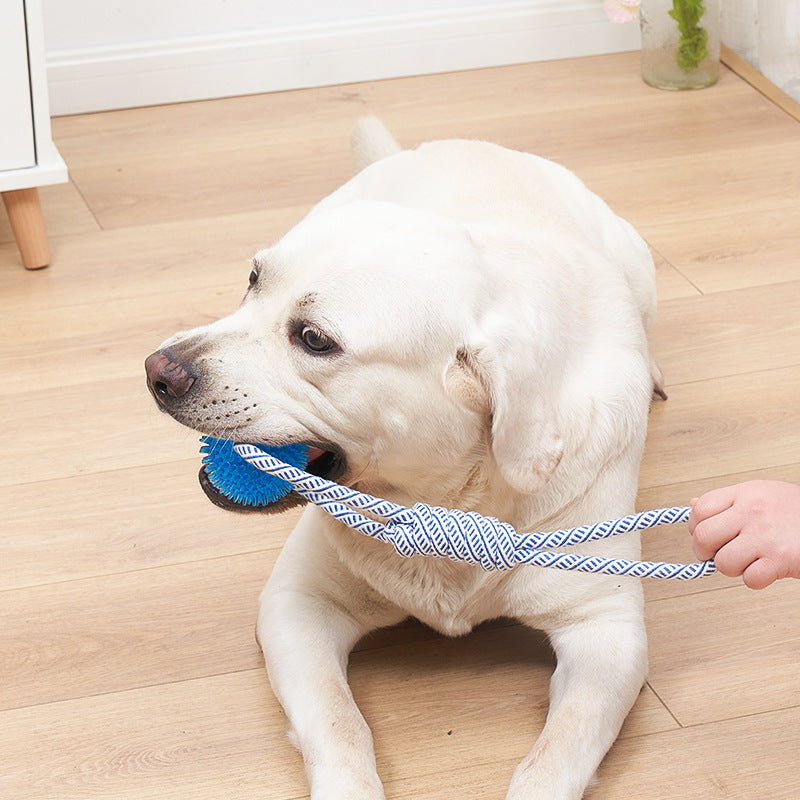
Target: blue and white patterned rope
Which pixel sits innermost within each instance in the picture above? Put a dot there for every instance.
(473, 538)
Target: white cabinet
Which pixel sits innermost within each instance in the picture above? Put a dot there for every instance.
(16, 119)
(28, 157)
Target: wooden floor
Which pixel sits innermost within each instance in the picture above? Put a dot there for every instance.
(128, 667)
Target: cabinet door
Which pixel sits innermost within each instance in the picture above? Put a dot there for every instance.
(17, 149)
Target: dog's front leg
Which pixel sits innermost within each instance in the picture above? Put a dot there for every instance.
(601, 667)
(311, 614)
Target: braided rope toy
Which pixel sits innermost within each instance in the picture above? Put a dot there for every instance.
(470, 537)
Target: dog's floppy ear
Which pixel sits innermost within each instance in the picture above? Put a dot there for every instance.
(520, 392)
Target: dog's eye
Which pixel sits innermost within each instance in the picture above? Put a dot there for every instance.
(316, 341)
(253, 276)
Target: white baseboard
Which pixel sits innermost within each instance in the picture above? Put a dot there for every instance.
(319, 55)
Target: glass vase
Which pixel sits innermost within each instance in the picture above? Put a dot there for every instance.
(680, 43)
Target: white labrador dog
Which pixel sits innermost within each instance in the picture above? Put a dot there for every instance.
(462, 325)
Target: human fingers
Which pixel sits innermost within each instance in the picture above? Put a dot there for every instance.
(740, 554)
(710, 504)
(761, 573)
(711, 533)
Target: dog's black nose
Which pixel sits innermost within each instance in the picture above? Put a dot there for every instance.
(166, 379)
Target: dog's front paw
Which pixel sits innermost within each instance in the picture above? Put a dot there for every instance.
(530, 783)
(348, 787)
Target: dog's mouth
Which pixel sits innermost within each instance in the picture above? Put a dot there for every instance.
(326, 462)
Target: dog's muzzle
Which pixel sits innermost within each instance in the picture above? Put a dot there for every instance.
(171, 382)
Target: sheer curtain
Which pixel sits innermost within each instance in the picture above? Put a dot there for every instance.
(767, 34)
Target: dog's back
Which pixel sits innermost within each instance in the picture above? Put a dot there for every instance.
(494, 189)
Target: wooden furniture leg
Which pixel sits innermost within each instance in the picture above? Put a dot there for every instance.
(25, 214)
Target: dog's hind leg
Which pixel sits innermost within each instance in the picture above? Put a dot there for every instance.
(311, 614)
(659, 389)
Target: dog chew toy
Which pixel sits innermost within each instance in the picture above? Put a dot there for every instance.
(469, 537)
(243, 483)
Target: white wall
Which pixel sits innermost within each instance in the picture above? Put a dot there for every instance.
(118, 53)
(767, 34)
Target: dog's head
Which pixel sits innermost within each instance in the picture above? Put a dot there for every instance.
(387, 341)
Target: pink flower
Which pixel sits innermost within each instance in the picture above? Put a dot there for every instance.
(622, 10)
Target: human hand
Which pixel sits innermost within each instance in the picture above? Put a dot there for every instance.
(751, 529)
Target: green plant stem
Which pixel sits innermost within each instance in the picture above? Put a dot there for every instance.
(693, 44)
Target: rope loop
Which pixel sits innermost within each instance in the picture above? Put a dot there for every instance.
(458, 535)
(471, 538)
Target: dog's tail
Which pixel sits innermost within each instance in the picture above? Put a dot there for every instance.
(370, 142)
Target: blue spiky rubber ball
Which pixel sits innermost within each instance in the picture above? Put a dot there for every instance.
(240, 481)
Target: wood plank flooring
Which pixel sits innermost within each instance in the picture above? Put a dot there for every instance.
(127, 602)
